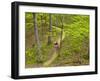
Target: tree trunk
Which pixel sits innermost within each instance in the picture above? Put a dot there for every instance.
(50, 29)
(62, 27)
(62, 18)
(42, 29)
(39, 56)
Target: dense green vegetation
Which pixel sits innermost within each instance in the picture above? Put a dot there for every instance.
(56, 39)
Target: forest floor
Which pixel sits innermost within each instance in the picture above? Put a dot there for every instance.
(53, 57)
(55, 51)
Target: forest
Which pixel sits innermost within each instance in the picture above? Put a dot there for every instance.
(53, 40)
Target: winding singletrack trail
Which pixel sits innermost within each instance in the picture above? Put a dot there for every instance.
(54, 50)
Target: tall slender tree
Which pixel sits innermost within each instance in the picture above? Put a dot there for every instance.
(62, 26)
(50, 28)
(39, 56)
(42, 28)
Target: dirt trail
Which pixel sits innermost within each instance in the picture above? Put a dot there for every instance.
(54, 50)
(53, 57)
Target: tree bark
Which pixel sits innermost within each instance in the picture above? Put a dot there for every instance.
(62, 19)
(37, 38)
(50, 29)
(41, 29)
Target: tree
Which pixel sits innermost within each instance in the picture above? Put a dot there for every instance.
(62, 27)
(50, 28)
(39, 59)
(42, 25)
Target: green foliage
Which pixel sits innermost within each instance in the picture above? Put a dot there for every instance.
(30, 56)
(74, 45)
